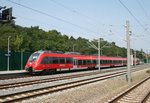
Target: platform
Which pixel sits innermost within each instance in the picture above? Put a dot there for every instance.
(13, 72)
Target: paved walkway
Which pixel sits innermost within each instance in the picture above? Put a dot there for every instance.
(12, 72)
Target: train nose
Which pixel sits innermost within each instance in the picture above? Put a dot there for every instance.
(29, 65)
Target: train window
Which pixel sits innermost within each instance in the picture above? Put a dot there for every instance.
(69, 60)
(91, 62)
(125, 61)
(44, 60)
(101, 61)
(88, 61)
(84, 62)
(34, 56)
(50, 60)
(109, 61)
(116, 61)
(97, 61)
(62, 60)
(79, 62)
(55, 60)
(94, 61)
(104, 61)
(112, 61)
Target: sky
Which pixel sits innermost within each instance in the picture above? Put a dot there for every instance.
(90, 19)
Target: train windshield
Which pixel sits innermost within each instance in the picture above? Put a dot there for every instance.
(34, 56)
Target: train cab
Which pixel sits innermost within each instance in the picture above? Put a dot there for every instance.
(32, 62)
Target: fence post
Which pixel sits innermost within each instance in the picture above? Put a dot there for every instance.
(21, 60)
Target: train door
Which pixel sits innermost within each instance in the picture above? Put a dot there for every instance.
(75, 63)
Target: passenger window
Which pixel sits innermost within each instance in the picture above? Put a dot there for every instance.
(69, 60)
(88, 61)
(50, 60)
(62, 60)
(55, 60)
(101, 61)
(44, 60)
(84, 62)
(79, 62)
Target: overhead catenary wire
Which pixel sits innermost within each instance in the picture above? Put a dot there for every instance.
(62, 20)
(131, 14)
(135, 19)
(57, 18)
(93, 21)
(145, 13)
(75, 11)
(43, 13)
(54, 17)
(29, 19)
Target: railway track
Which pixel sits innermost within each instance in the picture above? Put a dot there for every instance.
(52, 88)
(49, 79)
(139, 93)
(21, 84)
(25, 75)
(55, 88)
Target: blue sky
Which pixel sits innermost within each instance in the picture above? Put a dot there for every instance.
(90, 19)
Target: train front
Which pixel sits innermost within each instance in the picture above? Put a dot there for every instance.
(32, 62)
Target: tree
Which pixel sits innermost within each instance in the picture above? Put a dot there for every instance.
(31, 39)
(18, 42)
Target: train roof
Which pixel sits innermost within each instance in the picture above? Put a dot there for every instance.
(78, 56)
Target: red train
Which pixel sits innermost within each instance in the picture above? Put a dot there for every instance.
(51, 62)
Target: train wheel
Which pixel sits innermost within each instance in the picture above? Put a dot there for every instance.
(52, 71)
(45, 72)
(48, 71)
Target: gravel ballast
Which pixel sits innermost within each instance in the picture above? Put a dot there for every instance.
(98, 92)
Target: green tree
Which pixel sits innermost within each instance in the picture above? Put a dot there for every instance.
(18, 42)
